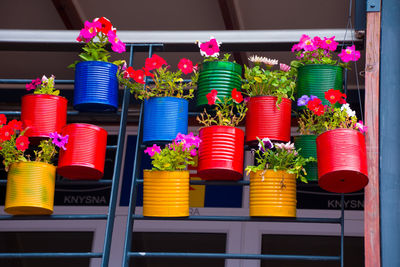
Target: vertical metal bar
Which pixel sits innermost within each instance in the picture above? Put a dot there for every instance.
(345, 80)
(135, 173)
(116, 172)
(342, 231)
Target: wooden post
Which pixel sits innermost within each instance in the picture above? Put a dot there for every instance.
(371, 202)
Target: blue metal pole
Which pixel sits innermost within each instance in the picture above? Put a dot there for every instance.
(135, 173)
(116, 172)
(389, 116)
(342, 231)
(52, 255)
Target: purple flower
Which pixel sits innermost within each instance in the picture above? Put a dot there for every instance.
(59, 140)
(266, 143)
(302, 101)
(152, 150)
(312, 97)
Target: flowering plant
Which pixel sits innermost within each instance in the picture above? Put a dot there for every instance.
(43, 86)
(176, 155)
(13, 144)
(318, 118)
(229, 111)
(167, 82)
(279, 156)
(319, 51)
(210, 50)
(96, 35)
(262, 79)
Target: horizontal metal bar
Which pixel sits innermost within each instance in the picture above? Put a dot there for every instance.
(52, 255)
(70, 112)
(56, 217)
(243, 218)
(73, 182)
(181, 37)
(232, 256)
(203, 182)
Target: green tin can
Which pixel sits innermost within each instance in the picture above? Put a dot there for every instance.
(222, 76)
(308, 147)
(316, 79)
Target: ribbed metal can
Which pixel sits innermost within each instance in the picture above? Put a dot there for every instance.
(96, 86)
(30, 188)
(164, 118)
(308, 147)
(342, 161)
(265, 119)
(222, 76)
(85, 152)
(44, 114)
(165, 193)
(316, 79)
(272, 193)
(221, 153)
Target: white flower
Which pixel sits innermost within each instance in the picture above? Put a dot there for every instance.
(349, 111)
(270, 61)
(265, 60)
(44, 78)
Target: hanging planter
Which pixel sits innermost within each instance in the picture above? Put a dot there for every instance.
(272, 193)
(30, 188)
(222, 76)
(165, 193)
(96, 86)
(221, 153)
(265, 119)
(44, 114)
(164, 118)
(308, 147)
(342, 161)
(316, 79)
(85, 152)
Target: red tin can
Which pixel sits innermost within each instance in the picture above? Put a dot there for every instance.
(265, 119)
(342, 161)
(86, 151)
(221, 153)
(44, 114)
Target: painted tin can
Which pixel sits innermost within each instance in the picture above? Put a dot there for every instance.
(308, 147)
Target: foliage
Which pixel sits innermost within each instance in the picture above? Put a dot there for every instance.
(97, 35)
(318, 118)
(166, 82)
(43, 86)
(13, 144)
(320, 51)
(263, 80)
(175, 156)
(229, 111)
(279, 156)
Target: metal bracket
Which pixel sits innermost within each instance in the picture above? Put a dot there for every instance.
(373, 5)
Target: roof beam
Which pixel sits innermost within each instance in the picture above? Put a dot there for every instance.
(70, 13)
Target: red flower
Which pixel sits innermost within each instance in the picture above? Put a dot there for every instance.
(138, 76)
(333, 95)
(148, 73)
(237, 96)
(6, 132)
(319, 110)
(185, 65)
(16, 125)
(154, 62)
(342, 99)
(3, 119)
(312, 104)
(106, 25)
(22, 143)
(212, 97)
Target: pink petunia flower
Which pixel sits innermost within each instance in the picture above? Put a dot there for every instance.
(153, 150)
(116, 44)
(349, 54)
(306, 43)
(329, 43)
(89, 31)
(185, 65)
(210, 48)
(361, 127)
(59, 140)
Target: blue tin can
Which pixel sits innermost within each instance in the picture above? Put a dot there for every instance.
(164, 118)
(96, 86)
